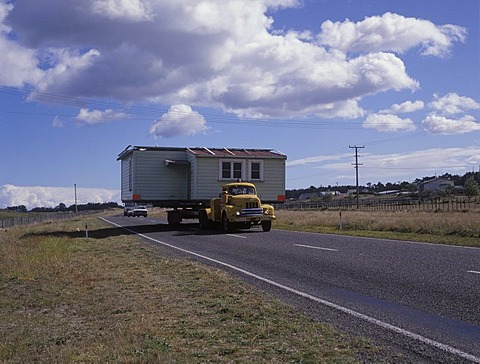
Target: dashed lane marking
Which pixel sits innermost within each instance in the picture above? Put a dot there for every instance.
(237, 236)
(316, 247)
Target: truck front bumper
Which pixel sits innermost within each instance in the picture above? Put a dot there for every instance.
(253, 219)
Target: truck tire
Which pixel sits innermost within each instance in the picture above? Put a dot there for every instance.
(203, 220)
(266, 225)
(174, 218)
(226, 225)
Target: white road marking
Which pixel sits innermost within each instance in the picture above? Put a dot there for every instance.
(390, 240)
(316, 247)
(237, 236)
(372, 320)
(473, 271)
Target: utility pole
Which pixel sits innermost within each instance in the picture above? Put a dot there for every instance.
(75, 187)
(356, 164)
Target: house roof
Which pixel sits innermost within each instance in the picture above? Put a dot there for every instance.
(210, 152)
(235, 152)
(442, 179)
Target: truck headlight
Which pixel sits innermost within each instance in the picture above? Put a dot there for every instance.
(237, 213)
(266, 212)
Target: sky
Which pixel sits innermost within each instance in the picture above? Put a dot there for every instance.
(80, 81)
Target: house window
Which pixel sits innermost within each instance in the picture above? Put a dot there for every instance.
(256, 170)
(233, 170)
(226, 170)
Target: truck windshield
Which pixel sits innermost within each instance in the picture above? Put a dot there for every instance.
(241, 190)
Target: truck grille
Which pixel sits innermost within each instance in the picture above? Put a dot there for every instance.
(251, 212)
(251, 205)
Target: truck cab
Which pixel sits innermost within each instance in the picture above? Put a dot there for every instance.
(237, 207)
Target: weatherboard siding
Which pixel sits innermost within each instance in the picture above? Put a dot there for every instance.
(208, 184)
(273, 183)
(126, 191)
(154, 180)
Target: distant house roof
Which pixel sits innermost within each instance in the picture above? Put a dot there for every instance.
(437, 180)
(210, 152)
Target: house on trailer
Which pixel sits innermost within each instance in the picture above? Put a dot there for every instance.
(165, 176)
(435, 185)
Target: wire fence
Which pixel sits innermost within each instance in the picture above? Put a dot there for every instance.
(427, 205)
(29, 219)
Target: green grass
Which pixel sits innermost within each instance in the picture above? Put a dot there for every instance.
(5, 214)
(112, 298)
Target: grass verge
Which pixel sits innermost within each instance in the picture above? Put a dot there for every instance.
(452, 228)
(64, 298)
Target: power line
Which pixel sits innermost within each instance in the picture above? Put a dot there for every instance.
(144, 112)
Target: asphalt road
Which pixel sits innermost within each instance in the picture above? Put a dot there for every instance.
(422, 299)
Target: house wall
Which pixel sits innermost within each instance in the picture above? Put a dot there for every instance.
(435, 185)
(274, 180)
(152, 179)
(207, 183)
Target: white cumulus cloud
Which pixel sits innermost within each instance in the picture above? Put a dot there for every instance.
(18, 64)
(450, 115)
(58, 122)
(388, 123)
(452, 104)
(438, 124)
(405, 107)
(391, 32)
(180, 120)
(87, 116)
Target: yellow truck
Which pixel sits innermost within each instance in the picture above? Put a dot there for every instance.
(238, 207)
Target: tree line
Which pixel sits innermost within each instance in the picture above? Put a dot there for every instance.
(470, 182)
(63, 208)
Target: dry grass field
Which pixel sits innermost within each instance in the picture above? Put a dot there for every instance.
(112, 298)
(457, 228)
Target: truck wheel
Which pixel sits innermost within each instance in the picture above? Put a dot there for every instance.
(174, 218)
(266, 225)
(226, 224)
(202, 220)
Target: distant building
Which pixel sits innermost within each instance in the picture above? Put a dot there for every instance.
(389, 192)
(435, 185)
(307, 196)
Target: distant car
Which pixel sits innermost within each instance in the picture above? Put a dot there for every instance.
(138, 211)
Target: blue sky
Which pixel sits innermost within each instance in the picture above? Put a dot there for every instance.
(78, 84)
